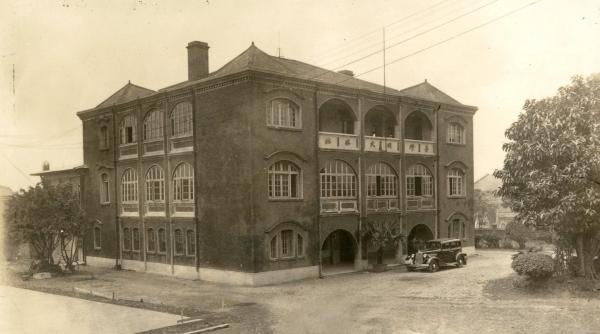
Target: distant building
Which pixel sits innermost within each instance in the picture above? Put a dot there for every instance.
(498, 216)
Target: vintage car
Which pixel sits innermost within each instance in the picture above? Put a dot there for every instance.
(435, 254)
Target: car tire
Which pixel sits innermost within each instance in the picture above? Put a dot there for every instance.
(433, 266)
(410, 269)
(460, 261)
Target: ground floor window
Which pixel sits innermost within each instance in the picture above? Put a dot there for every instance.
(179, 242)
(150, 240)
(162, 241)
(286, 243)
(126, 239)
(97, 236)
(136, 239)
(191, 242)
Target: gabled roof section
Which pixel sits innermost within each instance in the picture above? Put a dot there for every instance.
(127, 93)
(427, 91)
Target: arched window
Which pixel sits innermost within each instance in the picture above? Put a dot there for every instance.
(456, 133)
(153, 125)
(150, 240)
(190, 242)
(287, 243)
(104, 141)
(457, 229)
(283, 113)
(285, 181)
(162, 240)
(456, 183)
(129, 186)
(381, 181)
(127, 130)
(104, 189)
(136, 239)
(419, 181)
(181, 120)
(126, 239)
(155, 184)
(179, 242)
(183, 183)
(337, 180)
(97, 237)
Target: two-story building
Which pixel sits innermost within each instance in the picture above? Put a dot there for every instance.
(266, 170)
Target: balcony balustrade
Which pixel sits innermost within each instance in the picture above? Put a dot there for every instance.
(382, 204)
(155, 209)
(154, 147)
(181, 144)
(127, 151)
(339, 205)
(129, 209)
(182, 209)
(419, 147)
(381, 144)
(338, 141)
(419, 203)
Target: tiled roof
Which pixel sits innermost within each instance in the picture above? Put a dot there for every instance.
(427, 91)
(127, 93)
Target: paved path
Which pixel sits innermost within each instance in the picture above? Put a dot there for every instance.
(26, 311)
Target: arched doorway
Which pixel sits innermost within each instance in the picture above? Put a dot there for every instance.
(417, 237)
(338, 250)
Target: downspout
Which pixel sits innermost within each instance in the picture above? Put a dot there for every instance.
(318, 178)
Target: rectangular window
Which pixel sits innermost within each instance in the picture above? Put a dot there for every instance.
(136, 239)
(97, 237)
(286, 243)
(104, 189)
(162, 241)
(191, 242)
(179, 242)
(126, 239)
(150, 240)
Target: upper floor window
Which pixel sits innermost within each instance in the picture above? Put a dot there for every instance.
(456, 133)
(284, 181)
(419, 181)
(127, 130)
(337, 180)
(457, 229)
(183, 183)
(181, 120)
(104, 140)
(155, 184)
(287, 243)
(153, 125)
(456, 184)
(283, 113)
(381, 181)
(104, 189)
(129, 186)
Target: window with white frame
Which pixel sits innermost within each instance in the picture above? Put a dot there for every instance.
(162, 240)
(153, 125)
(97, 237)
(183, 183)
(104, 189)
(285, 181)
(179, 242)
(287, 243)
(190, 237)
(456, 133)
(104, 140)
(127, 130)
(456, 184)
(457, 229)
(136, 239)
(419, 181)
(126, 239)
(337, 180)
(283, 113)
(381, 181)
(181, 120)
(129, 186)
(150, 240)
(155, 184)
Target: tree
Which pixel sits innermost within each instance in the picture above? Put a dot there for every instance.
(483, 208)
(519, 232)
(382, 233)
(46, 217)
(551, 172)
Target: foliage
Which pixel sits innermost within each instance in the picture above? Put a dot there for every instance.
(488, 238)
(551, 172)
(382, 233)
(46, 217)
(519, 232)
(536, 266)
(483, 207)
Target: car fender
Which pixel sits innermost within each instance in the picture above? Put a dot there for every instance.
(431, 258)
(463, 255)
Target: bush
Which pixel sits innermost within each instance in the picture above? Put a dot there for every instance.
(535, 266)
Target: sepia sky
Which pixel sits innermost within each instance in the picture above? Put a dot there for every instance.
(69, 55)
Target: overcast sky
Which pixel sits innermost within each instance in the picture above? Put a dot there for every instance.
(69, 55)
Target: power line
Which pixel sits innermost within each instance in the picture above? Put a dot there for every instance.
(17, 168)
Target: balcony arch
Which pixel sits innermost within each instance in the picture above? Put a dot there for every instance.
(336, 116)
(417, 126)
(380, 122)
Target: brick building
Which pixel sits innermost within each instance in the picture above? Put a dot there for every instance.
(265, 170)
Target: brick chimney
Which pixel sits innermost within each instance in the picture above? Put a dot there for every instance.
(197, 60)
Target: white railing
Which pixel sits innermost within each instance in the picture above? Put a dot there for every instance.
(339, 205)
(155, 209)
(419, 202)
(129, 209)
(338, 141)
(182, 209)
(128, 151)
(381, 144)
(382, 204)
(181, 144)
(420, 147)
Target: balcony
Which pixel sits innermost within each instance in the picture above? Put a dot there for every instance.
(181, 144)
(380, 144)
(129, 209)
(419, 203)
(154, 147)
(382, 204)
(155, 209)
(182, 209)
(339, 205)
(338, 141)
(128, 151)
(419, 147)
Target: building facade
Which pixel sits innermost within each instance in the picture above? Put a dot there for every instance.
(266, 170)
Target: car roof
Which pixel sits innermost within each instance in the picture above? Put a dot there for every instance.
(445, 240)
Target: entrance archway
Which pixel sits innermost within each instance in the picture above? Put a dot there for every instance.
(417, 237)
(338, 250)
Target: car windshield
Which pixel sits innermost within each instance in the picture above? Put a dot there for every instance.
(430, 245)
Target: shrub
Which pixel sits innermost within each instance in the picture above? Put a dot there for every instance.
(535, 266)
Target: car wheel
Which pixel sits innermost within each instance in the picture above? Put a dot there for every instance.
(410, 268)
(433, 266)
(460, 261)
